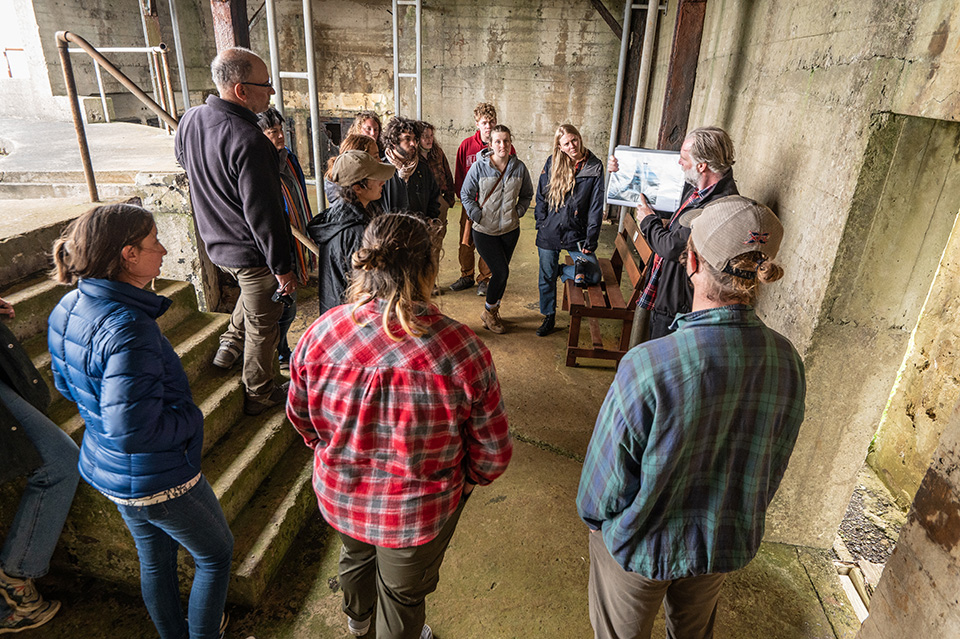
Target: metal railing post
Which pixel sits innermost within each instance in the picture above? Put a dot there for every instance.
(77, 116)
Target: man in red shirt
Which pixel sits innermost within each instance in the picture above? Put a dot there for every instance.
(486, 117)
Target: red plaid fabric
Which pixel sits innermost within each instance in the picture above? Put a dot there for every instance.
(396, 427)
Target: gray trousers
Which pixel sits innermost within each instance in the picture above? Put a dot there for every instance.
(395, 581)
(253, 327)
(624, 604)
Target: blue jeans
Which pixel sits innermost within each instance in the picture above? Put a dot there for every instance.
(550, 269)
(46, 500)
(195, 521)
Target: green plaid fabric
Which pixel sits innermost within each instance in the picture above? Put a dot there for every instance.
(691, 443)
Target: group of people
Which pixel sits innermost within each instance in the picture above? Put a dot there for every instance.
(401, 404)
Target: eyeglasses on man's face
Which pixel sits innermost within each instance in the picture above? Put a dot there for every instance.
(266, 85)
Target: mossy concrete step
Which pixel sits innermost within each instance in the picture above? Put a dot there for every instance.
(32, 190)
(266, 528)
(33, 299)
(243, 458)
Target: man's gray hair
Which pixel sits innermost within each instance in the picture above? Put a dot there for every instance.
(712, 145)
(232, 66)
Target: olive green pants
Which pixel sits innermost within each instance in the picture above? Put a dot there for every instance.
(395, 581)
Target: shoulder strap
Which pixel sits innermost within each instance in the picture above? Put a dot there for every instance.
(495, 184)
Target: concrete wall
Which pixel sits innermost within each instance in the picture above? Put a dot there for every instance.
(103, 24)
(917, 594)
(540, 62)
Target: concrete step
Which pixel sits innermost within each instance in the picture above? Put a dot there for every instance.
(266, 528)
(245, 456)
(34, 190)
(67, 177)
(33, 299)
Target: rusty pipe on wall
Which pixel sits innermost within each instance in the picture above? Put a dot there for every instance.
(67, 36)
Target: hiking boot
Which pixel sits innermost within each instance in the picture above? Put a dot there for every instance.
(21, 619)
(20, 593)
(547, 326)
(491, 320)
(482, 288)
(358, 628)
(426, 633)
(227, 355)
(462, 284)
(255, 406)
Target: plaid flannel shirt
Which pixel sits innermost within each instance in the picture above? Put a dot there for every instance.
(649, 295)
(396, 427)
(440, 167)
(691, 444)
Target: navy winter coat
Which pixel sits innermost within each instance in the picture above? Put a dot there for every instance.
(579, 217)
(143, 432)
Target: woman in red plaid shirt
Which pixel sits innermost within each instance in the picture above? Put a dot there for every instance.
(402, 408)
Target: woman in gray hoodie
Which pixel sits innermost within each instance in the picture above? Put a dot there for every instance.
(495, 195)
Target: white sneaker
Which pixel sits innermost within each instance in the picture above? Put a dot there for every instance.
(358, 628)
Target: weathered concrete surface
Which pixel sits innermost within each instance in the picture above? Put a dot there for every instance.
(540, 62)
(40, 92)
(927, 383)
(917, 594)
(882, 274)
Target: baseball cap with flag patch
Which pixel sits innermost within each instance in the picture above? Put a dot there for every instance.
(732, 226)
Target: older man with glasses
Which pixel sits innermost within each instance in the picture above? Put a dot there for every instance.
(238, 204)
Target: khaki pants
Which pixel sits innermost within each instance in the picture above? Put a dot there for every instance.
(624, 604)
(253, 327)
(395, 581)
(467, 259)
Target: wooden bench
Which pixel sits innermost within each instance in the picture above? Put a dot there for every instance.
(605, 299)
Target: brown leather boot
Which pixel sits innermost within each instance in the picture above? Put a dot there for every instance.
(491, 320)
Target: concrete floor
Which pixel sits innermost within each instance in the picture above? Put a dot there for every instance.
(517, 566)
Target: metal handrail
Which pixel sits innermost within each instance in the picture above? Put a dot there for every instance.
(63, 37)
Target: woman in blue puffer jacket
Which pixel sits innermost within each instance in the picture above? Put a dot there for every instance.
(143, 436)
(569, 213)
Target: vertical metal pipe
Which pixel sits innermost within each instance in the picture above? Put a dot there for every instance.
(396, 60)
(618, 95)
(161, 90)
(419, 65)
(168, 82)
(181, 66)
(77, 116)
(275, 59)
(314, 99)
(621, 72)
(103, 95)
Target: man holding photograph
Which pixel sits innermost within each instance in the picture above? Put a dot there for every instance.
(707, 158)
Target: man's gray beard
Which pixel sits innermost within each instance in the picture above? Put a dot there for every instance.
(691, 176)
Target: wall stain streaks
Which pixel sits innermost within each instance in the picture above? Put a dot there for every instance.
(937, 511)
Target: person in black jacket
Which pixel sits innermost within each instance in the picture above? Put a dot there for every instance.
(412, 189)
(569, 212)
(32, 445)
(707, 158)
(235, 193)
(338, 231)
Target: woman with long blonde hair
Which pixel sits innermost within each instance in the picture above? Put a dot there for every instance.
(569, 212)
(402, 408)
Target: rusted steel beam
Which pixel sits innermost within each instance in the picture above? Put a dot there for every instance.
(71, 84)
(230, 23)
(681, 73)
(631, 75)
(608, 17)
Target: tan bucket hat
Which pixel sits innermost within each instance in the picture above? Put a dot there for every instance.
(352, 166)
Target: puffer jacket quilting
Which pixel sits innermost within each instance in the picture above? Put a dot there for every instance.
(506, 204)
(143, 432)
